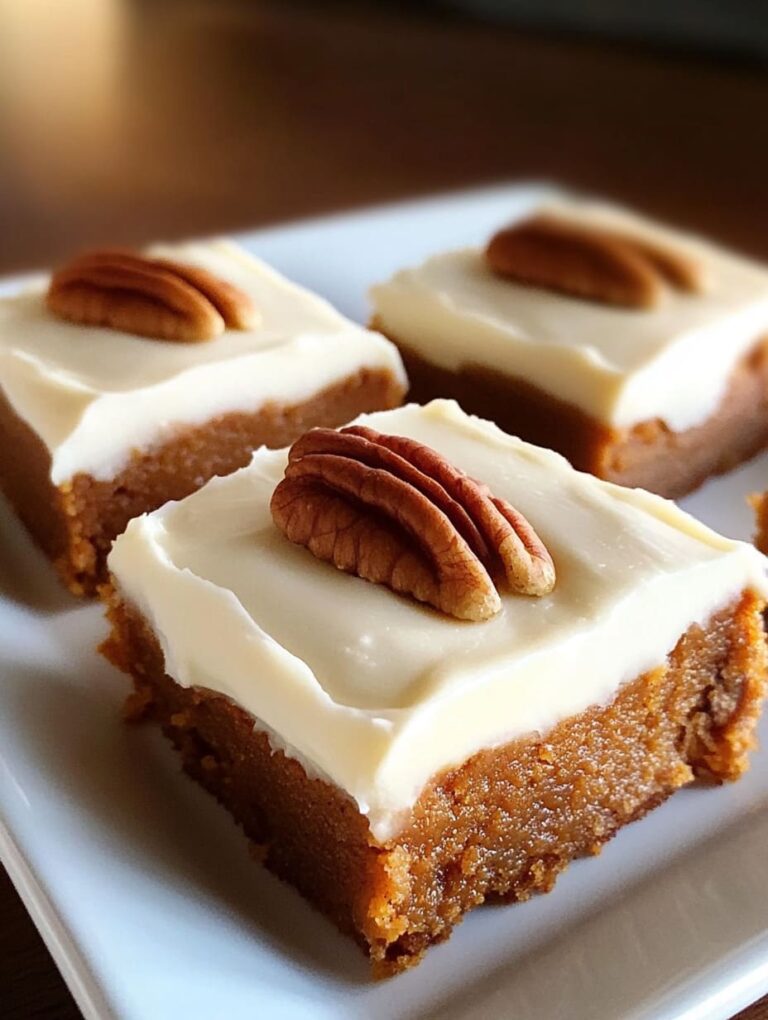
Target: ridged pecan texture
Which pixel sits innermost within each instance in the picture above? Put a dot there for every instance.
(155, 298)
(589, 262)
(395, 512)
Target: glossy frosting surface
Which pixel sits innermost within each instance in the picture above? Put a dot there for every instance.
(94, 394)
(620, 366)
(374, 691)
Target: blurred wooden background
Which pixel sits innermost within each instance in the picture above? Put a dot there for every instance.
(121, 122)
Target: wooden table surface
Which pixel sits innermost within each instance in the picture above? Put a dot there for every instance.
(121, 122)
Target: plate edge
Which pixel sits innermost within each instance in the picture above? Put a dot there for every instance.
(58, 939)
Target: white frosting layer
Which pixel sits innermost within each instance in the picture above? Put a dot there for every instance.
(93, 395)
(378, 693)
(621, 366)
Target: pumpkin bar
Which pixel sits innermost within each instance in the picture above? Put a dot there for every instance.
(425, 664)
(637, 351)
(130, 379)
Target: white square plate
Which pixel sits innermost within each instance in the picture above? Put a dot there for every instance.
(144, 890)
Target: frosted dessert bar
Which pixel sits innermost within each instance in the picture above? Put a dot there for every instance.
(130, 379)
(424, 663)
(637, 351)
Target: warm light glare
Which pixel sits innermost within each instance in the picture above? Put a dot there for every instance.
(60, 68)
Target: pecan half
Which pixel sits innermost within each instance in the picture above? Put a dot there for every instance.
(155, 298)
(395, 512)
(602, 265)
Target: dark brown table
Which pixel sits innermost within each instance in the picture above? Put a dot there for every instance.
(122, 122)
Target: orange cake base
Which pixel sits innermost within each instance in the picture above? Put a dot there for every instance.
(649, 455)
(503, 824)
(75, 523)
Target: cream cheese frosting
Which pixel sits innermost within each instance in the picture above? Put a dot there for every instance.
(378, 693)
(93, 395)
(620, 366)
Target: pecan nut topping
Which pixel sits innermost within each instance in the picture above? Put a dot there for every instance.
(589, 262)
(395, 512)
(156, 298)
